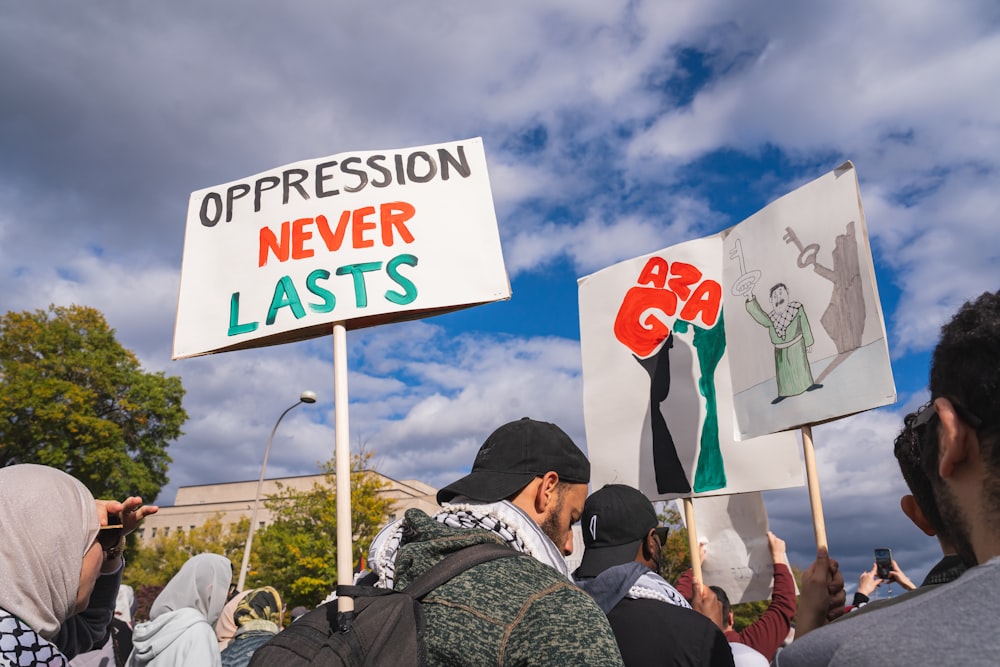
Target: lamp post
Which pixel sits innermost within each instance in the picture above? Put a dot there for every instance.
(304, 397)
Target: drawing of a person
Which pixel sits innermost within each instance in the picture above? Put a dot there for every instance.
(791, 337)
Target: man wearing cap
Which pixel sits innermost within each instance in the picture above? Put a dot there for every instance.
(652, 622)
(526, 489)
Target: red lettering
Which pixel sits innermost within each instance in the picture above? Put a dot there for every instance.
(299, 235)
(684, 275)
(360, 226)
(707, 300)
(394, 214)
(654, 273)
(637, 325)
(268, 241)
(333, 239)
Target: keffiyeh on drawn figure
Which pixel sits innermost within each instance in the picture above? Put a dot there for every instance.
(791, 336)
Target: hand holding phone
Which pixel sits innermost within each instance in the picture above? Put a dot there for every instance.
(883, 561)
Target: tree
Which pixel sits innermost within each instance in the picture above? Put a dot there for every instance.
(297, 553)
(156, 562)
(72, 397)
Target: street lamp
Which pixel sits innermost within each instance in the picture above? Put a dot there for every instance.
(304, 397)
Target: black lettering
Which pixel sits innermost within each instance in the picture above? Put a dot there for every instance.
(447, 159)
(261, 186)
(231, 196)
(400, 176)
(360, 173)
(300, 175)
(411, 167)
(322, 176)
(217, 200)
(373, 162)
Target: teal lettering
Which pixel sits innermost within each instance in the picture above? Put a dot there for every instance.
(235, 328)
(285, 296)
(358, 271)
(409, 289)
(329, 300)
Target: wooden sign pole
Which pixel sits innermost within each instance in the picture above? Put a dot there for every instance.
(812, 481)
(693, 540)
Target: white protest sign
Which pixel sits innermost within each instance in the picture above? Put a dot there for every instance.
(657, 393)
(804, 325)
(737, 556)
(364, 238)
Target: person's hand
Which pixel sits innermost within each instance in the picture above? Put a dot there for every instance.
(869, 581)
(897, 575)
(131, 510)
(706, 603)
(777, 547)
(823, 595)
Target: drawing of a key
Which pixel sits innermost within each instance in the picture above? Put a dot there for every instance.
(807, 254)
(745, 283)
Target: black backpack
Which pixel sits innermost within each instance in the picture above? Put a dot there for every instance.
(385, 628)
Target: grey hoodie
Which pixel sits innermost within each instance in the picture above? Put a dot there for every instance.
(181, 637)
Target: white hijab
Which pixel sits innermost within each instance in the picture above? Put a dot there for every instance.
(201, 584)
(49, 522)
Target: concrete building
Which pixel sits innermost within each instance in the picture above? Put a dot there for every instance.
(194, 505)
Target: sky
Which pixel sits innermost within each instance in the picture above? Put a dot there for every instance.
(611, 130)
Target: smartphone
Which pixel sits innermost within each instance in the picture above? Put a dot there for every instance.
(883, 561)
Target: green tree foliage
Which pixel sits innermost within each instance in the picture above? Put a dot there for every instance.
(297, 552)
(73, 398)
(157, 560)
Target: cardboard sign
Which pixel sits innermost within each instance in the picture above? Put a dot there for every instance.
(804, 325)
(363, 238)
(737, 556)
(656, 387)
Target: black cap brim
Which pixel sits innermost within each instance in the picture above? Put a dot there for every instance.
(487, 486)
(596, 561)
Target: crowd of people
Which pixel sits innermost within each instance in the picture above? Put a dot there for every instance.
(62, 602)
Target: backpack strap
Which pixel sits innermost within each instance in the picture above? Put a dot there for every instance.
(443, 571)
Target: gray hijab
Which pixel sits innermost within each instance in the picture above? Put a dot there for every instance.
(202, 583)
(49, 522)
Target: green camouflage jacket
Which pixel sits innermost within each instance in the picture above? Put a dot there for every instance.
(509, 611)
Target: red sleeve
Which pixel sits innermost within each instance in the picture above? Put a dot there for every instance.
(685, 584)
(768, 632)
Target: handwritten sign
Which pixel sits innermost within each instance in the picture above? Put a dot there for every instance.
(364, 238)
(657, 392)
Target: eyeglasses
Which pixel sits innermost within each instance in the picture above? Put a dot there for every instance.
(110, 536)
(928, 412)
(661, 534)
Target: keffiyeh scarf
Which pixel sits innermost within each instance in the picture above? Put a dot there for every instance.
(20, 646)
(784, 318)
(504, 518)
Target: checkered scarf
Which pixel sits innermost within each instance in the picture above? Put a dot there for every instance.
(20, 646)
(783, 319)
(513, 526)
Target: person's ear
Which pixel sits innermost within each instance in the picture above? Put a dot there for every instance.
(650, 545)
(953, 439)
(545, 492)
(912, 510)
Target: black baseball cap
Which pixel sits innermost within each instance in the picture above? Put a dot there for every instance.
(615, 521)
(515, 454)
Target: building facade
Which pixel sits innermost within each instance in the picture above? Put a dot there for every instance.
(194, 505)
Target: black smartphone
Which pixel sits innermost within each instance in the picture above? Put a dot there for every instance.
(883, 561)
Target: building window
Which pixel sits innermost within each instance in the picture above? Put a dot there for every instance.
(166, 530)
(153, 532)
